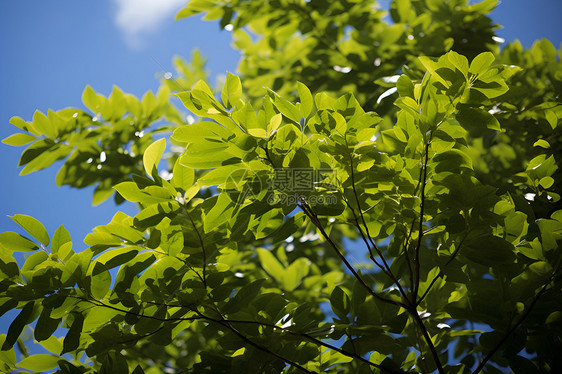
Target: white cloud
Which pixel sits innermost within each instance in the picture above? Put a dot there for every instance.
(135, 17)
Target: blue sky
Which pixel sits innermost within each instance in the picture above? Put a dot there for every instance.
(51, 50)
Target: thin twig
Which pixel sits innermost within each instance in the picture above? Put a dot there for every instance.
(319, 343)
(102, 304)
(513, 328)
(224, 322)
(202, 248)
(358, 226)
(440, 274)
(388, 271)
(308, 211)
(420, 230)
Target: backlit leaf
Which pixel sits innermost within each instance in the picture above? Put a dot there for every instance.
(33, 227)
(15, 242)
(39, 362)
(152, 155)
(305, 98)
(481, 63)
(232, 91)
(19, 139)
(476, 117)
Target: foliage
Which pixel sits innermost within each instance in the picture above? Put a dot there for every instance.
(309, 227)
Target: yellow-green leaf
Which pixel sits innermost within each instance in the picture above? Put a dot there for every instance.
(40, 362)
(481, 63)
(33, 227)
(19, 139)
(153, 154)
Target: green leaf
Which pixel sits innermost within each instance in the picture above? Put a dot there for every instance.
(183, 177)
(7, 358)
(478, 118)
(271, 264)
(405, 86)
(44, 154)
(60, 237)
(72, 338)
(481, 63)
(541, 143)
(20, 124)
(91, 99)
(116, 257)
(233, 173)
(201, 130)
(294, 274)
(32, 261)
(552, 118)
(432, 67)
(219, 213)
(152, 155)
(340, 302)
(244, 296)
(131, 192)
(101, 195)
(52, 344)
(288, 109)
(100, 282)
(17, 325)
(19, 139)
(46, 326)
(459, 61)
(40, 362)
(196, 7)
(232, 91)
(453, 160)
(33, 227)
(274, 123)
(101, 238)
(207, 155)
(525, 284)
(15, 242)
(546, 182)
(42, 125)
(484, 6)
(489, 251)
(306, 100)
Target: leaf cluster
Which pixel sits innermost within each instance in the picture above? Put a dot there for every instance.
(308, 227)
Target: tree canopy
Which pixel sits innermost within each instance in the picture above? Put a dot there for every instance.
(363, 196)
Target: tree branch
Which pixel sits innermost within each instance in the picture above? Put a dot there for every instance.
(224, 322)
(513, 328)
(418, 320)
(440, 271)
(308, 211)
(320, 343)
(386, 269)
